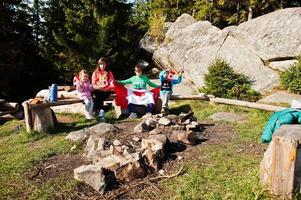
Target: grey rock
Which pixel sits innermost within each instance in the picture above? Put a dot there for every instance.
(91, 175)
(164, 121)
(281, 97)
(227, 116)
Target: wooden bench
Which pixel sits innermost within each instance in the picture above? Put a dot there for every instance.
(40, 117)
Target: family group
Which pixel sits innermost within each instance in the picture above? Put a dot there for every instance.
(103, 84)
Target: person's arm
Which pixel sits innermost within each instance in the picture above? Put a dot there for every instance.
(124, 82)
(111, 81)
(94, 78)
(79, 86)
(162, 76)
(154, 85)
(178, 80)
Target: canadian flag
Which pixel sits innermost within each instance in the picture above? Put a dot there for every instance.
(125, 96)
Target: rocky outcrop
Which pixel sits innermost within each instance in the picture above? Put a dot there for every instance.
(254, 48)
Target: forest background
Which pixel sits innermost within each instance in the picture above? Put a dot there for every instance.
(48, 41)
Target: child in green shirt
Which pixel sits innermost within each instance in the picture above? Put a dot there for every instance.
(139, 82)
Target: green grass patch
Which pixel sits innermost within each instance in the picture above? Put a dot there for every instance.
(221, 173)
(19, 152)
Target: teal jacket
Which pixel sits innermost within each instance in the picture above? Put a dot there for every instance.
(287, 116)
(173, 81)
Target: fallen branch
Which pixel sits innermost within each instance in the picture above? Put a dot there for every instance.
(247, 104)
(130, 187)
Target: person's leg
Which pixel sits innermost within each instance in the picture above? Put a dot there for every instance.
(99, 97)
(165, 98)
(149, 108)
(132, 110)
(91, 105)
(87, 106)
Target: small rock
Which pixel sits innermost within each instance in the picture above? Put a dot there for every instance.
(161, 172)
(116, 143)
(164, 121)
(180, 158)
(178, 127)
(195, 123)
(140, 128)
(101, 144)
(136, 139)
(190, 127)
(186, 122)
(91, 175)
(187, 137)
(77, 136)
(155, 132)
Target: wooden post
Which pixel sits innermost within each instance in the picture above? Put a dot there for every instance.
(280, 167)
(27, 117)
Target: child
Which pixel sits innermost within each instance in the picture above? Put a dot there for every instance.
(84, 88)
(144, 97)
(167, 82)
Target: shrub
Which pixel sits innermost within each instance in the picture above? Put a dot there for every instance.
(222, 81)
(156, 26)
(290, 79)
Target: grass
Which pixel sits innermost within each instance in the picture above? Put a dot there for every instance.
(20, 151)
(219, 172)
(225, 175)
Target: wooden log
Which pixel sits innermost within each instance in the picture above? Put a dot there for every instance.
(189, 97)
(12, 112)
(10, 106)
(247, 104)
(27, 117)
(66, 88)
(280, 169)
(56, 103)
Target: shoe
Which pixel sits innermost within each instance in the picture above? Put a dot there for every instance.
(165, 111)
(133, 115)
(90, 117)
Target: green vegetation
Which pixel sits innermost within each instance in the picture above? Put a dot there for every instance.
(222, 81)
(220, 171)
(21, 151)
(291, 78)
(206, 177)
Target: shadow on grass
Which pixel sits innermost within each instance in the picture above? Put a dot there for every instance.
(183, 108)
(70, 127)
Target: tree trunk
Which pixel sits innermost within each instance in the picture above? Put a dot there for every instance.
(250, 15)
(237, 12)
(280, 167)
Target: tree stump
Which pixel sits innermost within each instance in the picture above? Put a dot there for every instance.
(43, 119)
(280, 169)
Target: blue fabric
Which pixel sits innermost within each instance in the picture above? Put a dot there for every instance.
(132, 108)
(173, 81)
(287, 116)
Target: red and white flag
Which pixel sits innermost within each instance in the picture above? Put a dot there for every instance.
(125, 96)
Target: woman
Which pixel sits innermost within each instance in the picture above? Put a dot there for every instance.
(102, 83)
(139, 96)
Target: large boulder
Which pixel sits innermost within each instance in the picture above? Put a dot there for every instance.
(253, 48)
(274, 35)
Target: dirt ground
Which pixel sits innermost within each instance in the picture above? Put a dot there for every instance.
(212, 134)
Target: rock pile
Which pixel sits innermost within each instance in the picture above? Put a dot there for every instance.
(114, 162)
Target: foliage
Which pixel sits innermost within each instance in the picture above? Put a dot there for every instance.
(156, 26)
(290, 79)
(79, 32)
(23, 69)
(222, 81)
